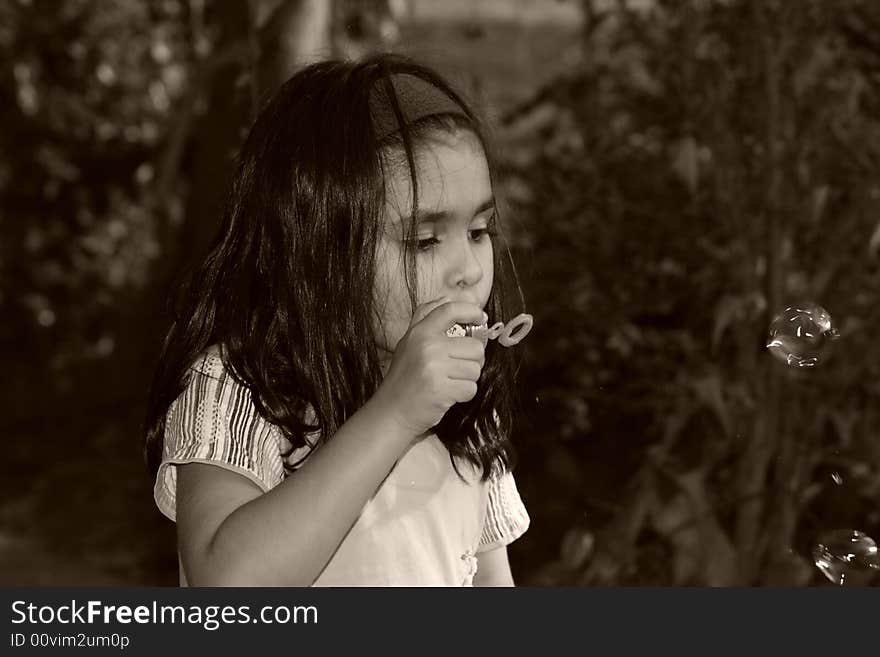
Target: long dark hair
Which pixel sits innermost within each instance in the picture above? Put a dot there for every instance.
(286, 290)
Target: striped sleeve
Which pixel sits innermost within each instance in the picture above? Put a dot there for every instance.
(506, 516)
(214, 421)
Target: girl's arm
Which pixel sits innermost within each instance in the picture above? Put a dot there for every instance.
(493, 568)
(231, 534)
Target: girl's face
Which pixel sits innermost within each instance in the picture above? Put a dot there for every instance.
(452, 241)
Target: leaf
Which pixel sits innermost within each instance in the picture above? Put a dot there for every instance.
(703, 550)
(709, 389)
(577, 546)
(733, 309)
(844, 423)
(56, 164)
(686, 163)
(820, 201)
(874, 242)
(727, 311)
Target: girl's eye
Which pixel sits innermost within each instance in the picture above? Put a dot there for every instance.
(425, 243)
(478, 234)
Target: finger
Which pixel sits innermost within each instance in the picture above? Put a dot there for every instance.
(464, 370)
(464, 391)
(467, 349)
(422, 311)
(455, 312)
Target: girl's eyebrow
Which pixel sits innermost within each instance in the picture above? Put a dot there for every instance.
(437, 216)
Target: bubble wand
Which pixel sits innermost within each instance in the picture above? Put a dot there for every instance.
(507, 335)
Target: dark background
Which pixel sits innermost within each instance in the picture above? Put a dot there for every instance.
(674, 175)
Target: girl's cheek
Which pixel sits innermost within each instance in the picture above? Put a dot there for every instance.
(429, 285)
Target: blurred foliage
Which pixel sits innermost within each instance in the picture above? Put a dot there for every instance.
(105, 107)
(90, 91)
(706, 164)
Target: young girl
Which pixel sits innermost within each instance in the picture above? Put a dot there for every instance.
(313, 419)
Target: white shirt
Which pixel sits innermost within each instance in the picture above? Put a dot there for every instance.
(423, 527)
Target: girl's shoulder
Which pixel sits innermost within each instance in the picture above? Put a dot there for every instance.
(240, 411)
(214, 421)
(210, 363)
(212, 391)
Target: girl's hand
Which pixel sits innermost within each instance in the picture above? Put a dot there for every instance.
(430, 371)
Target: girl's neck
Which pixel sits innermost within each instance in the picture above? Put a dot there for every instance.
(384, 362)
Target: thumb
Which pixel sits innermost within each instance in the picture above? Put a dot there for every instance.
(425, 309)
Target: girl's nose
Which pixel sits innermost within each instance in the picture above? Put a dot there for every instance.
(466, 270)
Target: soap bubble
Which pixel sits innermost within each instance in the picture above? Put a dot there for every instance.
(801, 335)
(845, 552)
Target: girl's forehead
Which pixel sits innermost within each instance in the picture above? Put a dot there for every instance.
(462, 143)
(450, 169)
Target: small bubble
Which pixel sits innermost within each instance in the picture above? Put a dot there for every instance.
(801, 335)
(844, 552)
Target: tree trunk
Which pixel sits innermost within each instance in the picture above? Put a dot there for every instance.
(289, 35)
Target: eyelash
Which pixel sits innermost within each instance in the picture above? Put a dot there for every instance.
(427, 243)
